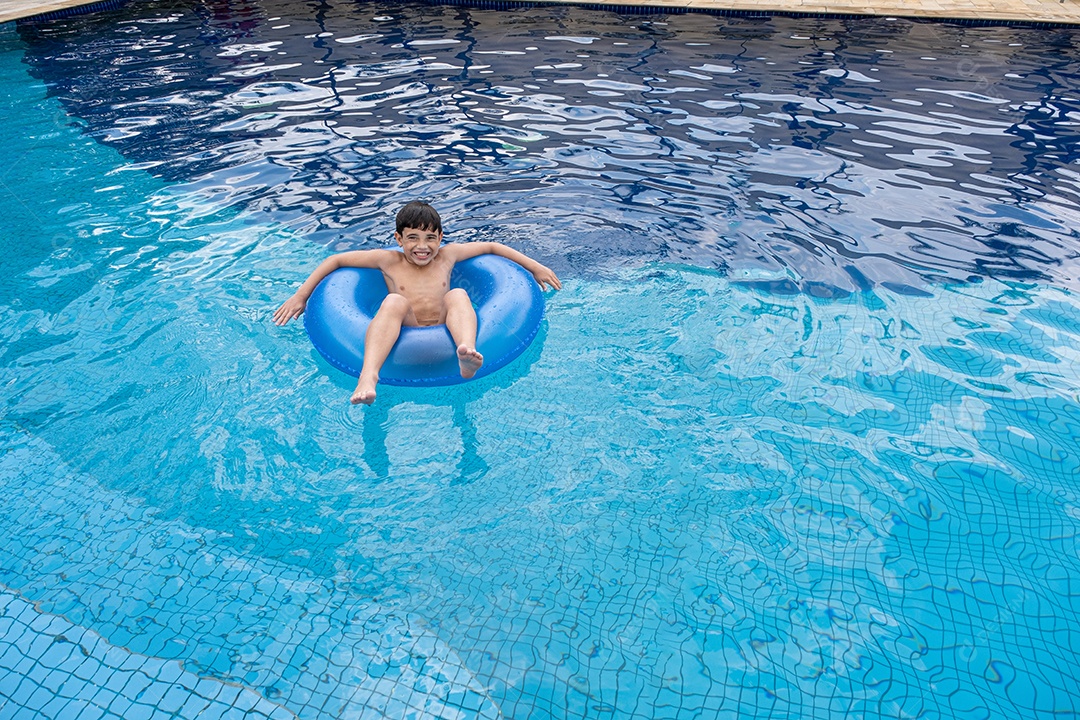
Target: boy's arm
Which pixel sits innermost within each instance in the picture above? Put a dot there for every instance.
(294, 306)
(543, 274)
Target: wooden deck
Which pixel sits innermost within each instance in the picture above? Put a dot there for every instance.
(1038, 11)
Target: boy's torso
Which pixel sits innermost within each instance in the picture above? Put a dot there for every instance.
(424, 286)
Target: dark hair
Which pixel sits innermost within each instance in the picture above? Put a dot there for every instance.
(418, 215)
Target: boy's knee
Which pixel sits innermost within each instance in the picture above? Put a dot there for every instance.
(396, 304)
(457, 295)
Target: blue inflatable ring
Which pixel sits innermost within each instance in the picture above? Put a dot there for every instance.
(509, 306)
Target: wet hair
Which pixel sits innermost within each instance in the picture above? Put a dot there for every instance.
(418, 215)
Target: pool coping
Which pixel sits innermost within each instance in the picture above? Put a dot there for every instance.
(1042, 13)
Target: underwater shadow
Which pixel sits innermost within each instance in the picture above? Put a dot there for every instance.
(377, 425)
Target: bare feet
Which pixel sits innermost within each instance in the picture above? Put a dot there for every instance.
(364, 393)
(469, 360)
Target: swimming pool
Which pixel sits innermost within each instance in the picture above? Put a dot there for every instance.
(799, 438)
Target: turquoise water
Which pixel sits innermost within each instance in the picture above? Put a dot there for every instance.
(702, 493)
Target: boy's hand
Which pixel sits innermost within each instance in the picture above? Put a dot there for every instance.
(545, 276)
(290, 310)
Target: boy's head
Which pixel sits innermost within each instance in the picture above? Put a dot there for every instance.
(419, 216)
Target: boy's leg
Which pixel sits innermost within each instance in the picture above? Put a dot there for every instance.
(461, 322)
(379, 340)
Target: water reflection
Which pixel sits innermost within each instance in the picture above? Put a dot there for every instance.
(824, 154)
(384, 422)
(376, 428)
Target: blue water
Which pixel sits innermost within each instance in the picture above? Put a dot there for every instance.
(800, 437)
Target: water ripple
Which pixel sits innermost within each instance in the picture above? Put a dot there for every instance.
(779, 148)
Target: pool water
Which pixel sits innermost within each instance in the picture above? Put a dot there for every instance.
(800, 436)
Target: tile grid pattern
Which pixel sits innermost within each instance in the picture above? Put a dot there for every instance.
(51, 668)
(165, 599)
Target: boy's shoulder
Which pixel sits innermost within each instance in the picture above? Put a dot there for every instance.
(377, 258)
(465, 250)
(452, 251)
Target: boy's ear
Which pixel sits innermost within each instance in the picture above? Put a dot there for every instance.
(397, 237)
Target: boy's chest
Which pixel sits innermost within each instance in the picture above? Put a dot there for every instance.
(426, 280)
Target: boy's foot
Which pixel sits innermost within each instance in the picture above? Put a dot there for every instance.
(469, 360)
(364, 393)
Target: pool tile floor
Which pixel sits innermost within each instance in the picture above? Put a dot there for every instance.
(159, 653)
(55, 669)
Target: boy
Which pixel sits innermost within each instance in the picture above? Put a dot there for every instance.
(419, 283)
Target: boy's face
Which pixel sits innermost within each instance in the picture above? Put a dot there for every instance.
(420, 246)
